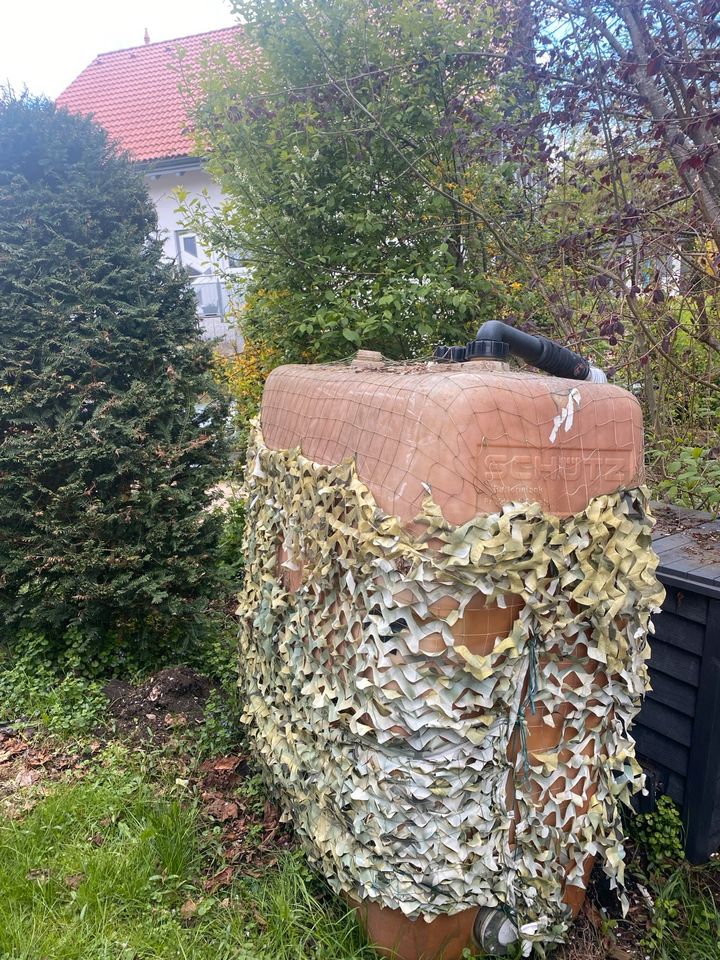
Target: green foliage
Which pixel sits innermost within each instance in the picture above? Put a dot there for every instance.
(350, 146)
(111, 424)
(94, 656)
(231, 556)
(691, 475)
(660, 835)
(685, 921)
(243, 376)
(221, 730)
(64, 704)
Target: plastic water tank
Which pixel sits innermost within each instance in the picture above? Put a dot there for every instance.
(478, 435)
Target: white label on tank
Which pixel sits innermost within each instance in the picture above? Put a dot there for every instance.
(566, 415)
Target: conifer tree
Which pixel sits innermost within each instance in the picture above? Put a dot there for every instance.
(111, 428)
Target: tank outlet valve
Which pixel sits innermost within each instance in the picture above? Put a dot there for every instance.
(494, 932)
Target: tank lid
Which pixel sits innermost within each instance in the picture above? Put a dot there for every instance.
(487, 350)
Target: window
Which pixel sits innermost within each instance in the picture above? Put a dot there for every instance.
(189, 243)
(209, 295)
(190, 254)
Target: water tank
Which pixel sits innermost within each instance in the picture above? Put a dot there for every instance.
(443, 642)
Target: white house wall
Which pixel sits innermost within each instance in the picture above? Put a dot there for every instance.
(162, 187)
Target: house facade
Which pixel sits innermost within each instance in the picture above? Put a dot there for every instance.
(135, 95)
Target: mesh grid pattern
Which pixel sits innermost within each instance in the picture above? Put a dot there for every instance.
(478, 438)
(444, 706)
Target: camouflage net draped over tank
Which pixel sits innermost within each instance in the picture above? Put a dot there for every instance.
(395, 763)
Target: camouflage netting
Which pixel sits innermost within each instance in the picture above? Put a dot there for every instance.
(398, 758)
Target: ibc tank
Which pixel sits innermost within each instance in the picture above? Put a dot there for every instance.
(448, 587)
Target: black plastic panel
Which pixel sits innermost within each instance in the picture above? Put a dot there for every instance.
(678, 729)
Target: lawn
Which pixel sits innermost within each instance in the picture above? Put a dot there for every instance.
(154, 839)
(110, 853)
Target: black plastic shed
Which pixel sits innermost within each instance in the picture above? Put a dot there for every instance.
(678, 729)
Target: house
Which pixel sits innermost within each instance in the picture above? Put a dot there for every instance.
(135, 95)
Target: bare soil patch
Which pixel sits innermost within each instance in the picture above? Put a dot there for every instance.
(173, 697)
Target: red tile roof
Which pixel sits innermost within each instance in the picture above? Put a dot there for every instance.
(134, 93)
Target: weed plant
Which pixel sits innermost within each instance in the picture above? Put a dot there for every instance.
(686, 920)
(68, 706)
(660, 836)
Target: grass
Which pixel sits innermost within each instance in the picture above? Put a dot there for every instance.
(113, 868)
(112, 864)
(111, 855)
(685, 920)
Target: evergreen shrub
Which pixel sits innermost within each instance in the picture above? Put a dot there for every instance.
(112, 427)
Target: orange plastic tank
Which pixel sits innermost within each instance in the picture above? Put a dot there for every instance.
(477, 435)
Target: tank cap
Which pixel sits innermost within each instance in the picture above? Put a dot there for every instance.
(443, 354)
(487, 350)
(366, 359)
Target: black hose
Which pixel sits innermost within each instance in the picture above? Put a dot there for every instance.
(538, 351)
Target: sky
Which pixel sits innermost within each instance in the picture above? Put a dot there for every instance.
(44, 44)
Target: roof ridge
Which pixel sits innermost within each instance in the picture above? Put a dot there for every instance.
(164, 43)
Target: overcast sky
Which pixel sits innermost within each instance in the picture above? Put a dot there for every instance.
(44, 44)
